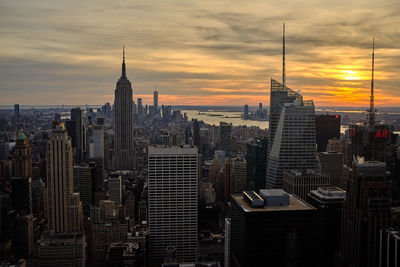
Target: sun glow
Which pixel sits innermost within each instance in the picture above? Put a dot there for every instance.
(351, 75)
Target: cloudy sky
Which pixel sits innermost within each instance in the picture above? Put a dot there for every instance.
(208, 52)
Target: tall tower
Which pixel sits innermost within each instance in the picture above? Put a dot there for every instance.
(291, 142)
(59, 165)
(123, 105)
(371, 110)
(155, 100)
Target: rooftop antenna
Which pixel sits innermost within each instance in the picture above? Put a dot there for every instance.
(283, 58)
(371, 110)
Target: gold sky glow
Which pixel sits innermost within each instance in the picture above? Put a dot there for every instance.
(198, 52)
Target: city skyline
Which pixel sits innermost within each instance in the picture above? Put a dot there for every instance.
(196, 53)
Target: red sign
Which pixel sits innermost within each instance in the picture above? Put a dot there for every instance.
(381, 134)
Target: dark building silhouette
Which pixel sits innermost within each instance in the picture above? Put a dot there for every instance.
(246, 112)
(77, 132)
(21, 194)
(283, 232)
(389, 248)
(366, 210)
(196, 134)
(225, 137)
(328, 201)
(326, 127)
(256, 158)
(22, 159)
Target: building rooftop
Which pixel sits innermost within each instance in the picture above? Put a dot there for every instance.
(166, 150)
(329, 194)
(294, 204)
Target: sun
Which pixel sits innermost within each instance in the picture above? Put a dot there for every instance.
(351, 75)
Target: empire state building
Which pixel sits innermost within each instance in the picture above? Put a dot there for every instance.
(123, 111)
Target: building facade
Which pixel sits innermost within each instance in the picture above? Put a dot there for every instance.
(173, 202)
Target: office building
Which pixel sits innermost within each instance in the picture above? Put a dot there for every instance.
(291, 134)
(140, 107)
(328, 201)
(279, 232)
(246, 112)
(172, 196)
(16, 113)
(326, 127)
(238, 175)
(155, 101)
(97, 151)
(389, 249)
(39, 199)
(115, 189)
(300, 183)
(23, 236)
(256, 158)
(22, 159)
(227, 245)
(59, 167)
(332, 164)
(366, 210)
(77, 132)
(83, 185)
(225, 137)
(61, 250)
(196, 134)
(21, 194)
(124, 157)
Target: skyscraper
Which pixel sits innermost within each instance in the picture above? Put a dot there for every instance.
(155, 101)
(77, 131)
(225, 135)
(366, 210)
(172, 193)
(124, 158)
(291, 135)
(59, 165)
(246, 112)
(16, 112)
(115, 189)
(140, 106)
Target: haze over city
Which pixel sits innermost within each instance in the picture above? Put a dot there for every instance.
(198, 53)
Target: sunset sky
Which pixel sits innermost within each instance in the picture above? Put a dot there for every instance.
(208, 52)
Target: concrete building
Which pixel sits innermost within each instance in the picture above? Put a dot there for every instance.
(326, 127)
(291, 134)
(22, 159)
(300, 183)
(332, 164)
(23, 241)
(173, 202)
(227, 252)
(77, 131)
(97, 151)
(21, 194)
(124, 157)
(238, 175)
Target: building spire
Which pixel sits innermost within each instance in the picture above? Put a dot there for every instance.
(283, 58)
(123, 72)
(372, 110)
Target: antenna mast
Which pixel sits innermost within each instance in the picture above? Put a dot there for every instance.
(283, 58)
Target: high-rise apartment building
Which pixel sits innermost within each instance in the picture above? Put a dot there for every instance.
(172, 196)
(291, 134)
(366, 210)
(59, 165)
(124, 157)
